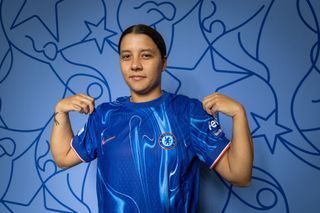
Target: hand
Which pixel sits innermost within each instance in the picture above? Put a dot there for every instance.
(79, 103)
(218, 102)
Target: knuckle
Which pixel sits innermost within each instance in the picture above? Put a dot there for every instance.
(204, 100)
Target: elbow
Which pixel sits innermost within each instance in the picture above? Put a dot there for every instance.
(240, 178)
(244, 181)
(61, 164)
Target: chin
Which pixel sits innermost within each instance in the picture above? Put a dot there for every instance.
(139, 90)
(142, 89)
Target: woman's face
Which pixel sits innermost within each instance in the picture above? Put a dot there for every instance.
(141, 64)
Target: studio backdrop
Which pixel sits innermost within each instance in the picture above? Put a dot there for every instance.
(265, 54)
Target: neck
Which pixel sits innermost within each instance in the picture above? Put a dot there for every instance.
(139, 98)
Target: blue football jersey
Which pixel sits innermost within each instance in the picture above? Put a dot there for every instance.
(149, 153)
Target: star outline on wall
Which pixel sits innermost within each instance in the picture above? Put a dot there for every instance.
(262, 129)
(95, 34)
(43, 18)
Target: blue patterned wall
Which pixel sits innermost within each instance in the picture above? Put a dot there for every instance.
(263, 53)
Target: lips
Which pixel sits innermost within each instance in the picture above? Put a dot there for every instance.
(137, 77)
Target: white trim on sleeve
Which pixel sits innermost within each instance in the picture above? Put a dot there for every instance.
(220, 155)
(76, 151)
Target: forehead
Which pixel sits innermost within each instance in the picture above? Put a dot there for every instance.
(137, 41)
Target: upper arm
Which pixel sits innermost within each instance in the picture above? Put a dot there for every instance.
(222, 166)
(72, 158)
(69, 160)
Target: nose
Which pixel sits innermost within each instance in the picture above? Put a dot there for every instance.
(136, 65)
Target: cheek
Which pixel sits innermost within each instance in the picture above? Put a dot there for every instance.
(157, 74)
(124, 75)
(123, 69)
(121, 66)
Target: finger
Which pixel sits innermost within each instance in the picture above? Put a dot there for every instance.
(213, 97)
(209, 103)
(87, 97)
(91, 106)
(85, 108)
(205, 102)
(206, 99)
(84, 103)
(76, 108)
(214, 111)
(88, 101)
(208, 107)
(81, 107)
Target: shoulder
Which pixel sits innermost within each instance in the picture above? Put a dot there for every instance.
(183, 100)
(103, 107)
(184, 104)
(191, 106)
(180, 98)
(107, 106)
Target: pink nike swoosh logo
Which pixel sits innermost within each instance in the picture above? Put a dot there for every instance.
(104, 141)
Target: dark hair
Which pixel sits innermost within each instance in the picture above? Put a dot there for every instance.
(146, 30)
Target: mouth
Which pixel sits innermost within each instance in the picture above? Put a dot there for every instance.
(137, 77)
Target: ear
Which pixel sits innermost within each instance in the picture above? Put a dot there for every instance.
(164, 63)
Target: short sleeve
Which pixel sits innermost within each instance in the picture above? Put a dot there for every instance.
(86, 140)
(208, 140)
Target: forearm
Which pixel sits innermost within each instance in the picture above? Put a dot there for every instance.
(240, 154)
(60, 138)
(62, 134)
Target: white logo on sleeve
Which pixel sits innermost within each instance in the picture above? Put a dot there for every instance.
(214, 127)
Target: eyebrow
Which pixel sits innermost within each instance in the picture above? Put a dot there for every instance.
(141, 50)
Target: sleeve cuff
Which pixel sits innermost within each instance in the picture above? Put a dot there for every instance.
(219, 152)
(74, 147)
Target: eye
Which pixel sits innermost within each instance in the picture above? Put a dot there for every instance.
(125, 57)
(146, 55)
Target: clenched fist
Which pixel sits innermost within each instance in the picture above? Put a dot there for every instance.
(79, 103)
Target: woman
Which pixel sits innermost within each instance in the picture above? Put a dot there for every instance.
(149, 145)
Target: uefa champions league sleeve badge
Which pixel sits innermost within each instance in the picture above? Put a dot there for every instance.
(167, 141)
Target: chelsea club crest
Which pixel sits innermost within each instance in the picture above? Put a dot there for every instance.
(167, 141)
